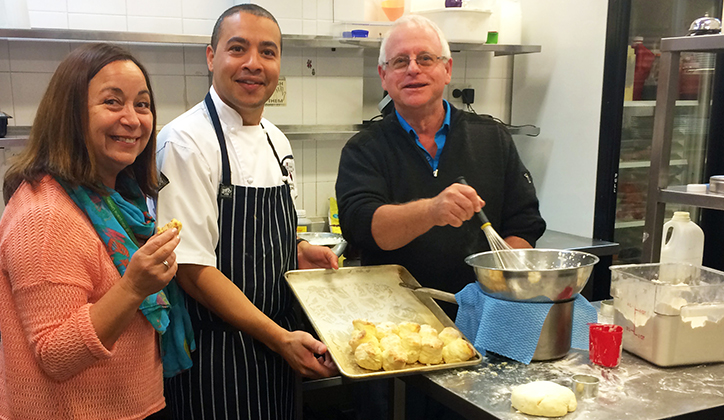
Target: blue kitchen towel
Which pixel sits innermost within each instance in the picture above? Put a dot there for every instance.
(511, 329)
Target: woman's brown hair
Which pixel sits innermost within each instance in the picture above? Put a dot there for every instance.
(59, 140)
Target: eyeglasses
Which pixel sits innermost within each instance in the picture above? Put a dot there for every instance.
(424, 60)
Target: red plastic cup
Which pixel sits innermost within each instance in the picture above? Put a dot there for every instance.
(604, 344)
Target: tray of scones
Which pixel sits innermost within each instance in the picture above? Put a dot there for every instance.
(375, 324)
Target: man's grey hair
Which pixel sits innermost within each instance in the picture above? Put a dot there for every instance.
(414, 21)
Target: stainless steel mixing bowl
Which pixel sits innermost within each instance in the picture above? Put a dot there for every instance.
(554, 275)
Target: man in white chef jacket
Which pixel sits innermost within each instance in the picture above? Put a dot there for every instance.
(231, 182)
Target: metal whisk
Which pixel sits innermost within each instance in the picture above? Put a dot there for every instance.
(506, 256)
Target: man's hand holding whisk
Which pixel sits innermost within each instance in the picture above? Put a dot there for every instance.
(396, 225)
(455, 205)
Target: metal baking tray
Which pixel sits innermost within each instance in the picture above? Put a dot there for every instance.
(332, 299)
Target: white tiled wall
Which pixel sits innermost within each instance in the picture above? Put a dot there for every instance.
(324, 86)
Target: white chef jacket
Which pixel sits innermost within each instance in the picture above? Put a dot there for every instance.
(188, 154)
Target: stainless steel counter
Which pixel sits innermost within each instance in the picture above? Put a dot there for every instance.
(559, 240)
(635, 389)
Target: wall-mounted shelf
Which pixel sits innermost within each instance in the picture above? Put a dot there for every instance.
(308, 41)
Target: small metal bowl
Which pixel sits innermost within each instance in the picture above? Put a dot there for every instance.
(555, 275)
(332, 240)
(716, 184)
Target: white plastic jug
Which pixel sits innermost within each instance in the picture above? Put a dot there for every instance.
(685, 242)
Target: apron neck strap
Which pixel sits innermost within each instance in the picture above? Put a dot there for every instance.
(225, 168)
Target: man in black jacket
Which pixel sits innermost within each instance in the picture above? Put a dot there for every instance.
(398, 199)
(396, 187)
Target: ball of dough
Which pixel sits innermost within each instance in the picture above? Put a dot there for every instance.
(408, 327)
(386, 328)
(449, 334)
(543, 398)
(394, 358)
(363, 324)
(428, 331)
(362, 336)
(412, 343)
(430, 350)
(369, 356)
(459, 350)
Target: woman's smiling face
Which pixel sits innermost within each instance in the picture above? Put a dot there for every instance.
(120, 121)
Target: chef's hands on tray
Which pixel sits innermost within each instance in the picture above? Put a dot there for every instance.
(454, 205)
(301, 350)
(315, 256)
(154, 264)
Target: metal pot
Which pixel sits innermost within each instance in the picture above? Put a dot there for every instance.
(705, 25)
(4, 123)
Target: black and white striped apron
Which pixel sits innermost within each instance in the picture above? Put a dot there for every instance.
(235, 376)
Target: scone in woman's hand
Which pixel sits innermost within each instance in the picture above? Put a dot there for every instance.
(154, 264)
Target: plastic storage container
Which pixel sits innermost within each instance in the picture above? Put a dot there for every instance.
(682, 240)
(303, 224)
(669, 321)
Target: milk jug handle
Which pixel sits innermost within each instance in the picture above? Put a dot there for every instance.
(666, 234)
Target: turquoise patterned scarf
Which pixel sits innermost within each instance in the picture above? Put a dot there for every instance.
(120, 243)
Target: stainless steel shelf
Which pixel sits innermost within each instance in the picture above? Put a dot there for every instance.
(679, 195)
(659, 192)
(12, 141)
(309, 41)
(700, 43)
(498, 49)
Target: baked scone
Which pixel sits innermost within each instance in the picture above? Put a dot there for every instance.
(408, 327)
(392, 340)
(412, 343)
(170, 225)
(369, 356)
(448, 335)
(362, 336)
(394, 358)
(386, 328)
(363, 324)
(431, 350)
(459, 350)
(428, 331)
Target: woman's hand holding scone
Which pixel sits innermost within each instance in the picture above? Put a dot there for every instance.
(154, 264)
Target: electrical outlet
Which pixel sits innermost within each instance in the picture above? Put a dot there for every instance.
(452, 87)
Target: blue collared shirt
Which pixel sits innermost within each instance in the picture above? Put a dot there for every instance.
(440, 136)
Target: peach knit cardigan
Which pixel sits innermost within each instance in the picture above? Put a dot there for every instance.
(53, 267)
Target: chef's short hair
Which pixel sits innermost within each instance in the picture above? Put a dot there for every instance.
(252, 9)
(419, 21)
